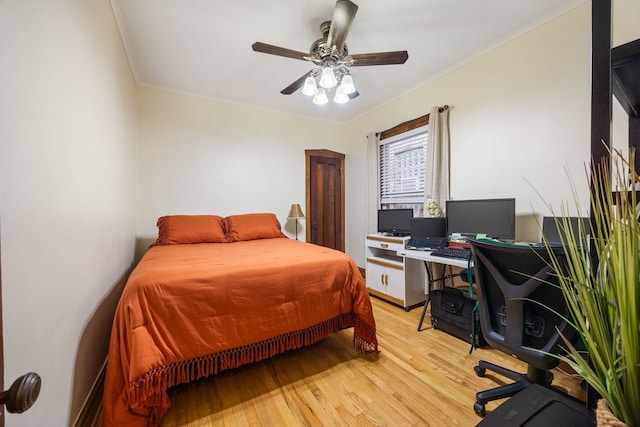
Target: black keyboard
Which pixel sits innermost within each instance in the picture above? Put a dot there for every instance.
(459, 253)
(426, 242)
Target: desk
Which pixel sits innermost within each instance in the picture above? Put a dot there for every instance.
(428, 258)
(393, 277)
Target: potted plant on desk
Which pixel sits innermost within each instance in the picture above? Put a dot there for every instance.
(603, 293)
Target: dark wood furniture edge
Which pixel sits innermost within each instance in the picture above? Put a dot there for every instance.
(92, 405)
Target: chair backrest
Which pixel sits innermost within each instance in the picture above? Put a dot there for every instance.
(519, 301)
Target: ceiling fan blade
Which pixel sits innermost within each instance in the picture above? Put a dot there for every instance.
(380, 58)
(343, 15)
(295, 85)
(354, 95)
(277, 50)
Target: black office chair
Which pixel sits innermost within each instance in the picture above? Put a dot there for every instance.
(517, 305)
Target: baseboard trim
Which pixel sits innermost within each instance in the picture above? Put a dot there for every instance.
(91, 407)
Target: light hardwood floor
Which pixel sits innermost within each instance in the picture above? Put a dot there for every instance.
(418, 379)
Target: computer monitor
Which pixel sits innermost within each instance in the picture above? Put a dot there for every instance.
(494, 217)
(428, 227)
(556, 235)
(396, 222)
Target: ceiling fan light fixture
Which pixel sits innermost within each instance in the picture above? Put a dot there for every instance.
(310, 88)
(321, 97)
(328, 78)
(331, 58)
(340, 97)
(347, 84)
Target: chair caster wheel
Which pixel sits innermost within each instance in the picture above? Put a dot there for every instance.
(480, 371)
(479, 409)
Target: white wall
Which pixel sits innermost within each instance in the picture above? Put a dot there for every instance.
(204, 157)
(67, 205)
(626, 15)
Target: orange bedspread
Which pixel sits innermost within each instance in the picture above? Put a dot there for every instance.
(189, 311)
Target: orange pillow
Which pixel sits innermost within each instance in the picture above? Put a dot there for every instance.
(252, 227)
(182, 229)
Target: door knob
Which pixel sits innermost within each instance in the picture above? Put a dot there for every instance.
(22, 394)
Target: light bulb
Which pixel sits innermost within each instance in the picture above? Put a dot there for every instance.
(340, 97)
(321, 97)
(347, 84)
(310, 88)
(328, 78)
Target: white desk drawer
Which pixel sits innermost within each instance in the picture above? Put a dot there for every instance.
(386, 243)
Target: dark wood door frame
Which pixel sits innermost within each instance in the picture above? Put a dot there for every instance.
(25, 390)
(308, 214)
(1, 346)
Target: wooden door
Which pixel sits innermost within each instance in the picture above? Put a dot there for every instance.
(325, 198)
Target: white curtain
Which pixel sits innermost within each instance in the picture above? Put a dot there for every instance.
(436, 175)
(372, 196)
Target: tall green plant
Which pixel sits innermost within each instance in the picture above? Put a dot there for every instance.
(603, 291)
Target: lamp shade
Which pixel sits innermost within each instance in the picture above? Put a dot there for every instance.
(328, 78)
(347, 84)
(295, 212)
(321, 97)
(340, 97)
(309, 88)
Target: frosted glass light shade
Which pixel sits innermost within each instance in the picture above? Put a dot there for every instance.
(347, 84)
(321, 97)
(340, 97)
(328, 78)
(310, 88)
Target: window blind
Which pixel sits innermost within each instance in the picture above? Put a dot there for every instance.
(402, 167)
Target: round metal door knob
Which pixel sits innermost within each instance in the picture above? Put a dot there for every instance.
(22, 394)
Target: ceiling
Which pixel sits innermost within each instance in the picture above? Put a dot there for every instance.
(203, 47)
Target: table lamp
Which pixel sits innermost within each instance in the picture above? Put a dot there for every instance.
(295, 214)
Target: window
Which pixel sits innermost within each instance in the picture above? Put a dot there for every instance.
(402, 167)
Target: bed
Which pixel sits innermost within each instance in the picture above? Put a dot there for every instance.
(216, 293)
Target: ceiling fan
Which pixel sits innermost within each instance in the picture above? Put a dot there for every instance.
(332, 59)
